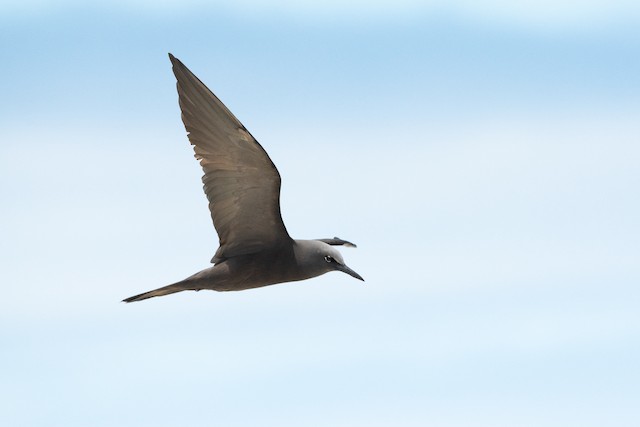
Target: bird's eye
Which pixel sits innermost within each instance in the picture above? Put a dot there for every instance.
(328, 258)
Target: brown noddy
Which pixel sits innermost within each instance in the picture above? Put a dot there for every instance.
(243, 188)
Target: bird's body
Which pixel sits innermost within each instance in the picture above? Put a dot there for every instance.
(288, 263)
(243, 188)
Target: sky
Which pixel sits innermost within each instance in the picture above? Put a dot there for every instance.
(482, 155)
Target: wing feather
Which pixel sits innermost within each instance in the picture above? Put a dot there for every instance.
(240, 181)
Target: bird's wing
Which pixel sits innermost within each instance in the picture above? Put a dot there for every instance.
(240, 180)
(336, 241)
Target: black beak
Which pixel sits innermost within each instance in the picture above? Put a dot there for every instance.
(349, 271)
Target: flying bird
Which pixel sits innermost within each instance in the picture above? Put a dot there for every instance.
(243, 188)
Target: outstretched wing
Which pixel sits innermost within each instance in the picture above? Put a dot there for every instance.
(336, 241)
(241, 182)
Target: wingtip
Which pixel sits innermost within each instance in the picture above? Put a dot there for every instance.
(346, 243)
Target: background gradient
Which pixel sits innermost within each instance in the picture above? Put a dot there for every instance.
(483, 155)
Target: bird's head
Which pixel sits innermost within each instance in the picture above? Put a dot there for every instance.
(321, 258)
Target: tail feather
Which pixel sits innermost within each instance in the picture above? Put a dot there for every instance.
(166, 290)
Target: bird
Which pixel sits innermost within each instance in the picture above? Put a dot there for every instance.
(242, 186)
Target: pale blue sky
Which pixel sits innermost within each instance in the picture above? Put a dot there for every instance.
(483, 156)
